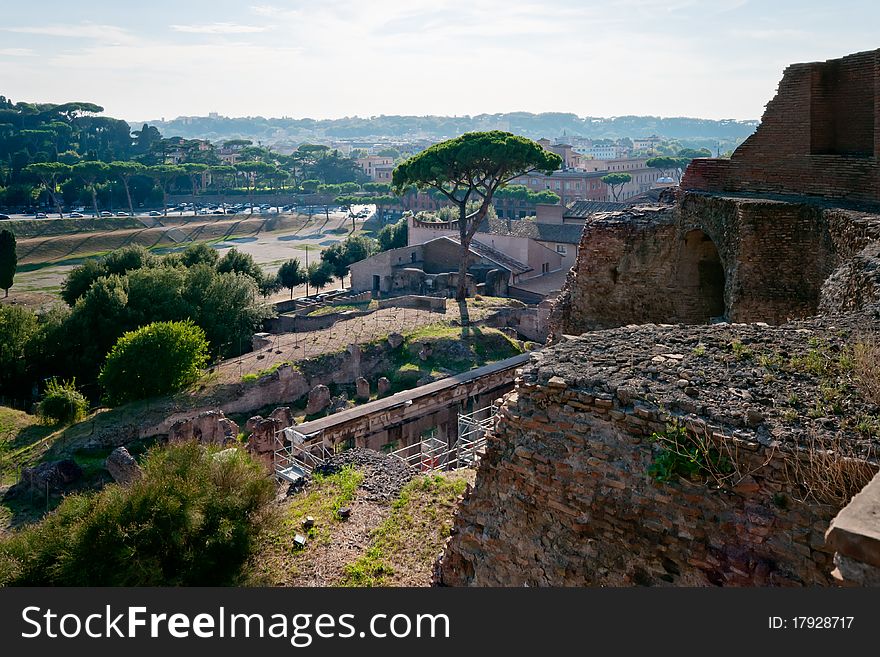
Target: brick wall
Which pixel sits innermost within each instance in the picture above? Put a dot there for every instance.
(777, 257)
(820, 136)
(563, 496)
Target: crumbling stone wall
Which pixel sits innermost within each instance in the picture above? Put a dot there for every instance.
(779, 261)
(563, 496)
(820, 135)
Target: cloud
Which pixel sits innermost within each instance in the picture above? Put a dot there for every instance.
(92, 31)
(219, 28)
(16, 52)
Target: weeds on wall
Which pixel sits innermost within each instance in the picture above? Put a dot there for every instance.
(829, 470)
(688, 455)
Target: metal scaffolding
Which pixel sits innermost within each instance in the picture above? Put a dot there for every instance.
(433, 454)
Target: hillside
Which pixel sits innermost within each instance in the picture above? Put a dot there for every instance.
(549, 124)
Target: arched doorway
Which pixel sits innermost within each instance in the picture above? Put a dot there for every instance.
(701, 275)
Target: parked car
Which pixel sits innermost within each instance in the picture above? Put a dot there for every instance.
(40, 215)
(4, 216)
(123, 214)
(76, 215)
(106, 213)
(155, 213)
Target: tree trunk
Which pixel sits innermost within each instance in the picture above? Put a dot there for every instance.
(128, 196)
(55, 202)
(95, 200)
(461, 293)
(164, 201)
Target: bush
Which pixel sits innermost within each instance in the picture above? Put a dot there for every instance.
(154, 360)
(62, 403)
(190, 521)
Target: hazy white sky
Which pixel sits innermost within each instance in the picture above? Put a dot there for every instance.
(333, 58)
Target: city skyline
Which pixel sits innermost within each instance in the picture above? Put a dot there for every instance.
(714, 60)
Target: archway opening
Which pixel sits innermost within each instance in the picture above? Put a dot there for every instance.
(701, 273)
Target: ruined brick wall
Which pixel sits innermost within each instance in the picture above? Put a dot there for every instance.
(652, 265)
(563, 496)
(820, 135)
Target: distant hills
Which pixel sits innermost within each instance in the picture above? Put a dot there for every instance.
(692, 131)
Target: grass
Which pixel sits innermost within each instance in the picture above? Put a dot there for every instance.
(343, 308)
(409, 540)
(277, 555)
(23, 440)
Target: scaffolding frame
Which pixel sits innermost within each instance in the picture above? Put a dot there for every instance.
(296, 455)
(432, 454)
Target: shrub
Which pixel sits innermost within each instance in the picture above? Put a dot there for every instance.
(191, 520)
(154, 360)
(62, 403)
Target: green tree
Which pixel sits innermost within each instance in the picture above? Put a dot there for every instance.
(243, 263)
(253, 171)
(8, 260)
(124, 171)
(49, 173)
(291, 274)
(664, 163)
(319, 275)
(164, 175)
(341, 255)
(472, 167)
(616, 181)
(153, 360)
(393, 236)
(199, 254)
(191, 519)
(62, 403)
(225, 306)
(91, 173)
(80, 279)
(18, 326)
(195, 171)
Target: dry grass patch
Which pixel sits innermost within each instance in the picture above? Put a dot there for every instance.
(403, 548)
(277, 558)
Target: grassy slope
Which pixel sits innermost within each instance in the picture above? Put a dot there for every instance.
(403, 548)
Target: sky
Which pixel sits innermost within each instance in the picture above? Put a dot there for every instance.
(716, 59)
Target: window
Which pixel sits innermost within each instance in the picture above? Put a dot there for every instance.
(560, 249)
(558, 186)
(545, 268)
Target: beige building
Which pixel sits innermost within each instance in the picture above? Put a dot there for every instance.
(370, 163)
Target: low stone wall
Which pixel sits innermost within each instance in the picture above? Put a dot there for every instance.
(300, 323)
(415, 301)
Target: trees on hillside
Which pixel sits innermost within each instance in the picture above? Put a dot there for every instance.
(472, 167)
(8, 260)
(616, 181)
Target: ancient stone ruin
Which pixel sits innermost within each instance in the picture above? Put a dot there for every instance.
(701, 416)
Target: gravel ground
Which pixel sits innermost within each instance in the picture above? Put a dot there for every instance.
(384, 476)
